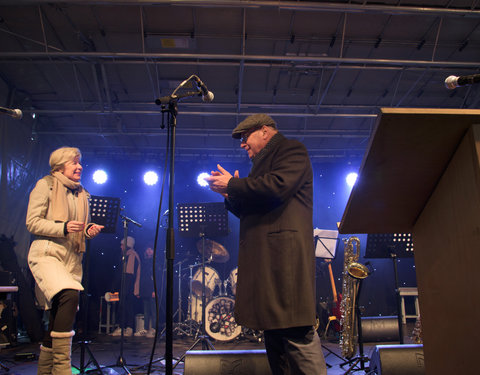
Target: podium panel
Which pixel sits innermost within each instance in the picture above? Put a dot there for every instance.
(446, 238)
(421, 174)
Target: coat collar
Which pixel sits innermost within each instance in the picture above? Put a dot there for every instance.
(274, 141)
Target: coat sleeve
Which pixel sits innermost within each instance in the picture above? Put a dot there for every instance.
(37, 210)
(279, 184)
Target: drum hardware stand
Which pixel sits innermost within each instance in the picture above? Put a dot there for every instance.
(179, 312)
(180, 326)
(104, 211)
(206, 344)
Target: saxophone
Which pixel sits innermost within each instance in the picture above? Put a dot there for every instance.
(353, 272)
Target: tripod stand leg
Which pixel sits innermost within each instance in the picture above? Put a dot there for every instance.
(92, 358)
(83, 369)
(206, 344)
(4, 367)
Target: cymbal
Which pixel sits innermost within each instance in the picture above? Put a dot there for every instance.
(214, 250)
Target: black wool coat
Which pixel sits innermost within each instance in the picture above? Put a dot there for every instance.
(276, 262)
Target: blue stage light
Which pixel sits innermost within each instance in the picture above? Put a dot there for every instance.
(150, 178)
(100, 176)
(201, 179)
(351, 178)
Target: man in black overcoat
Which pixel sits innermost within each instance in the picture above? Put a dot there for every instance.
(276, 261)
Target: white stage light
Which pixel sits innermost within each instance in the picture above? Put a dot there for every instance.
(150, 178)
(351, 178)
(100, 176)
(201, 179)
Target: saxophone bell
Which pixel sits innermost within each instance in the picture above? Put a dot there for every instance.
(357, 270)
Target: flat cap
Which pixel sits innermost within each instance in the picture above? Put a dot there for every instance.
(253, 121)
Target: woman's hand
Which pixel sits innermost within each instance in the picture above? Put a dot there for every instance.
(75, 226)
(94, 230)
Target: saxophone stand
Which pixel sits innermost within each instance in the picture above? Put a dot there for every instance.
(360, 359)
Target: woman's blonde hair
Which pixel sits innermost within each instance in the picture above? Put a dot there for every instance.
(61, 155)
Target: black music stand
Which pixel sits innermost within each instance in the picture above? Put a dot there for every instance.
(325, 242)
(121, 360)
(394, 246)
(103, 211)
(201, 220)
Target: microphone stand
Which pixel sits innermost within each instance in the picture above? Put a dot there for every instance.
(170, 239)
(172, 112)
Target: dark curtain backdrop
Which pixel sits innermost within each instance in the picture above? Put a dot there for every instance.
(24, 159)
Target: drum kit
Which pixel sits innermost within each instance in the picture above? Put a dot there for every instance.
(219, 299)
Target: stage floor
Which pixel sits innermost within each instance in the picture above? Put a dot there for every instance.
(136, 353)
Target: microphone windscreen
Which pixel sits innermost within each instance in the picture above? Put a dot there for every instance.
(208, 98)
(451, 82)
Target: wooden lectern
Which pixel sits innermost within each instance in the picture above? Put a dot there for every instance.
(421, 174)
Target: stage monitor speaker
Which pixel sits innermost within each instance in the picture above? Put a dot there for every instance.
(397, 360)
(380, 329)
(223, 362)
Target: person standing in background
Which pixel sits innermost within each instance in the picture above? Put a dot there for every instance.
(147, 295)
(132, 286)
(58, 215)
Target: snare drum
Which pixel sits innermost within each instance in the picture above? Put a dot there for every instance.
(232, 279)
(220, 323)
(211, 281)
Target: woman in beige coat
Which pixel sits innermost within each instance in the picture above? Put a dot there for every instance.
(58, 216)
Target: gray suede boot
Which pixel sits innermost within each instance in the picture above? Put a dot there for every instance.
(62, 349)
(45, 361)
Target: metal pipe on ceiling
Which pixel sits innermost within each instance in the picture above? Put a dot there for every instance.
(281, 5)
(191, 113)
(226, 133)
(120, 57)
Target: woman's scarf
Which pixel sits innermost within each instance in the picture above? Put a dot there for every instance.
(58, 206)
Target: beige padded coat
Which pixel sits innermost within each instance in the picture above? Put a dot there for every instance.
(52, 260)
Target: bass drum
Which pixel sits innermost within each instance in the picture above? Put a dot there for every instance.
(212, 280)
(220, 323)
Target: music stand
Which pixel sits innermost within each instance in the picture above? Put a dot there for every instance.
(201, 220)
(325, 242)
(394, 246)
(103, 211)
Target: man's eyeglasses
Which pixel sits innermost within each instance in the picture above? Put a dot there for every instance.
(245, 135)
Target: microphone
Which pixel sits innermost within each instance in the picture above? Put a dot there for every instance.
(15, 113)
(452, 82)
(207, 96)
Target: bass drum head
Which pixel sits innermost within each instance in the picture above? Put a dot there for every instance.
(220, 323)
